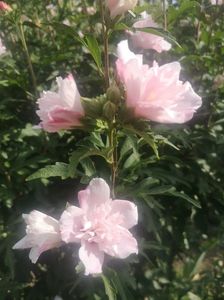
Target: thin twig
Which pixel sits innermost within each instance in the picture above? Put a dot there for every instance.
(30, 66)
(106, 48)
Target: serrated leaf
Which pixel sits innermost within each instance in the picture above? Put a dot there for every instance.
(77, 156)
(58, 170)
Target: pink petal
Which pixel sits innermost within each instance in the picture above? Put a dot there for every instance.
(120, 244)
(125, 54)
(34, 254)
(159, 95)
(71, 222)
(42, 234)
(146, 40)
(96, 194)
(63, 109)
(41, 222)
(118, 7)
(127, 211)
(23, 243)
(91, 257)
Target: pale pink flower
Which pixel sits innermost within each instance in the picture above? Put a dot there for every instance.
(146, 40)
(100, 225)
(155, 93)
(4, 6)
(2, 48)
(61, 110)
(42, 234)
(118, 7)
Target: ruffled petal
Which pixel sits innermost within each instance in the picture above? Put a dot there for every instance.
(120, 244)
(71, 222)
(34, 254)
(91, 257)
(96, 194)
(127, 211)
(24, 243)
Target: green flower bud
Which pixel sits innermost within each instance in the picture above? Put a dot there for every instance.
(109, 110)
(113, 94)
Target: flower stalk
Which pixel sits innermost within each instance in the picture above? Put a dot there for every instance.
(26, 51)
(113, 146)
(105, 44)
(164, 14)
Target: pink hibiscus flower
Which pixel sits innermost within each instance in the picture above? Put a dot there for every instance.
(155, 93)
(100, 225)
(42, 234)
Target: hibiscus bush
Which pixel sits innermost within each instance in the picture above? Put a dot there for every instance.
(111, 149)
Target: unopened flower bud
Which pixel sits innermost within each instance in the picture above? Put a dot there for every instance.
(113, 94)
(218, 81)
(109, 110)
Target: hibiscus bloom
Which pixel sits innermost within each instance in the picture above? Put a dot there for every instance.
(147, 40)
(155, 93)
(42, 234)
(100, 225)
(118, 7)
(62, 109)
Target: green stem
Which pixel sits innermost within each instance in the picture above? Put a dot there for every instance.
(113, 145)
(164, 15)
(26, 51)
(106, 46)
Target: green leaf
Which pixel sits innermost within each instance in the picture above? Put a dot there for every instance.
(164, 140)
(109, 290)
(92, 45)
(186, 197)
(146, 137)
(198, 264)
(121, 26)
(174, 14)
(132, 160)
(63, 29)
(58, 170)
(88, 167)
(129, 147)
(77, 156)
(160, 190)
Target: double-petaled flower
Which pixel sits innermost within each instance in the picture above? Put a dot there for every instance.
(155, 93)
(62, 109)
(101, 225)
